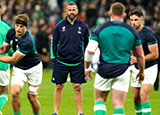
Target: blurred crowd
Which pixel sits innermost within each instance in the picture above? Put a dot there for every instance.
(45, 14)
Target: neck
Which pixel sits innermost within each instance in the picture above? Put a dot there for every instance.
(71, 21)
(140, 28)
(116, 18)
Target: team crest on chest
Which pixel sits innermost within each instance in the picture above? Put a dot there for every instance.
(79, 30)
(63, 28)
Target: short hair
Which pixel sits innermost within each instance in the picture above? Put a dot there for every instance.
(136, 12)
(22, 19)
(72, 3)
(117, 9)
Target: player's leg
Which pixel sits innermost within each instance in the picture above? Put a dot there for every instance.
(15, 99)
(118, 99)
(3, 95)
(57, 97)
(34, 80)
(120, 87)
(77, 78)
(99, 101)
(137, 100)
(4, 87)
(101, 90)
(146, 88)
(78, 97)
(32, 96)
(59, 77)
(17, 82)
(136, 92)
(145, 93)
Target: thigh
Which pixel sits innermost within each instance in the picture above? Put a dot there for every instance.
(77, 74)
(34, 74)
(121, 82)
(60, 73)
(100, 95)
(18, 77)
(4, 77)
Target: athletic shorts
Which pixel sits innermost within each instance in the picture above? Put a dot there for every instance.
(61, 71)
(33, 75)
(120, 83)
(4, 77)
(150, 75)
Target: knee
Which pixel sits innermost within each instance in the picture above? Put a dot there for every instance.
(136, 99)
(59, 87)
(15, 93)
(77, 87)
(144, 97)
(32, 98)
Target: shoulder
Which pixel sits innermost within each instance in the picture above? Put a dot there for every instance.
(62, 22)
(4, 25)
(11, 33)
(147, 32)
(27, 39)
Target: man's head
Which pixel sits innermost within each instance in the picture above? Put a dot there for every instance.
(136, 19)
(117, 9)
(72, 11)
(21, 23)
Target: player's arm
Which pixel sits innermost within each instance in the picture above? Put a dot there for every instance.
(90, 50)
(153, 49)
(12, 59)
(141, 62)
(4, 48)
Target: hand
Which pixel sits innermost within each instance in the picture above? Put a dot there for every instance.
(88, 74)
(140, 75)
(133, 60)
(2, 48)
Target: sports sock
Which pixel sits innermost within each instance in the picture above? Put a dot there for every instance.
(18, 113)
(3, 100)
(119, 111)
(146, 108)
(36, 114)
(138, 109)
(99, 108)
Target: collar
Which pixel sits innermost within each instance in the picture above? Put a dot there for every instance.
(69, 22)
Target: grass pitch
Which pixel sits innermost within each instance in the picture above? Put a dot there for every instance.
(67, 107)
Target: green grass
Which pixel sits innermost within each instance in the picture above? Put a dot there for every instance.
(68, 106)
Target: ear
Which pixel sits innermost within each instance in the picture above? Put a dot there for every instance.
(124, 15)
(109, 13)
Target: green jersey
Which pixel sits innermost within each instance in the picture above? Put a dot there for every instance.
(3, 31)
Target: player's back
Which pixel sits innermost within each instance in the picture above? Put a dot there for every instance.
(116, 39)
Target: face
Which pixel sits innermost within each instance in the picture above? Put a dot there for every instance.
(136, 21)
(72, 12)
(20, 30)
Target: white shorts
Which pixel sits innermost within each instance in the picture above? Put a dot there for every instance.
(119, 83)
(33, 75)
(4, 77)
(150, 75)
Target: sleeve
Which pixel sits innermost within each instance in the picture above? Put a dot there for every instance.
(94, 35)
(25, 47)
(151, 39)
(54, 43)
(138, 41)
(9, 35)
(86, 37)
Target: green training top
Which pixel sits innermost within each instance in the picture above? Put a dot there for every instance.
(3, 31)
